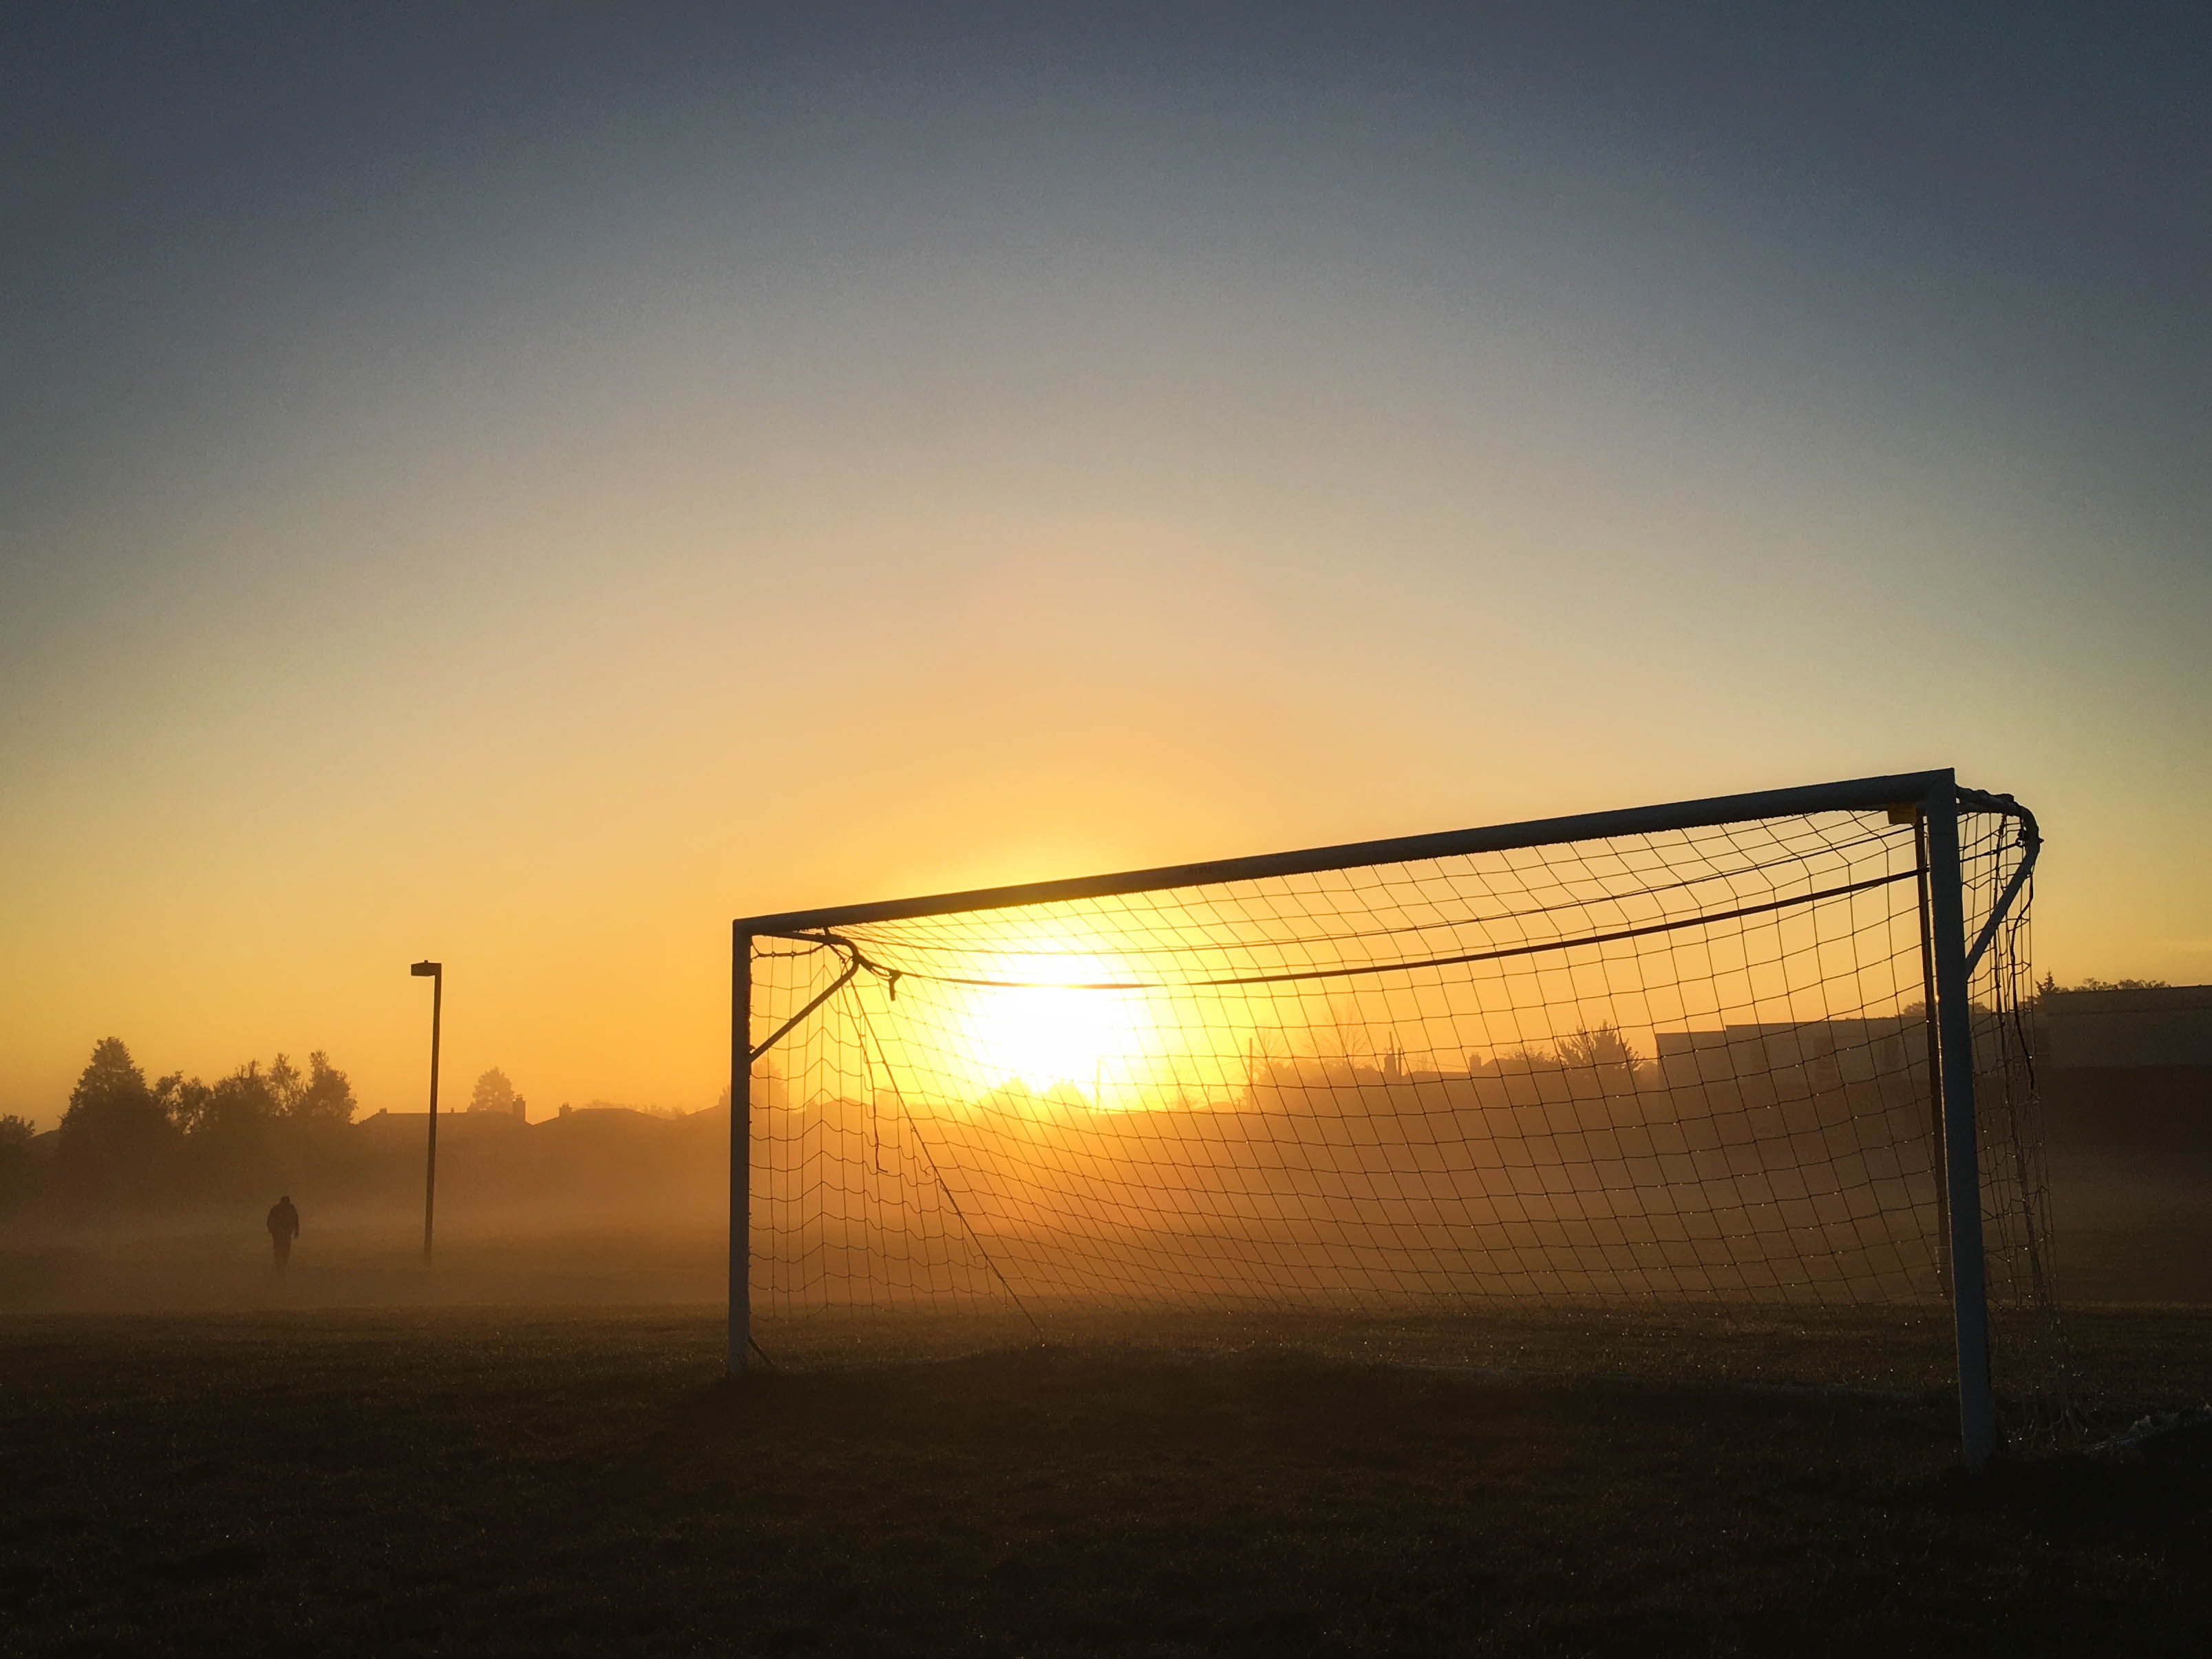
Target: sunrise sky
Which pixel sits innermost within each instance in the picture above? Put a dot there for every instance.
(524, 487)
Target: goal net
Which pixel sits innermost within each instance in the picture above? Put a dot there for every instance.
(1680, 1060)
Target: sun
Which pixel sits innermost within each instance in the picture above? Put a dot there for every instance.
(1052, 1033)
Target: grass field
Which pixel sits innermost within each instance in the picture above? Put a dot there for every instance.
(447, 1480)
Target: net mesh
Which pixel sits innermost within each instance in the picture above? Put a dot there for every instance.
(1668, 1071)
(2030, 1360)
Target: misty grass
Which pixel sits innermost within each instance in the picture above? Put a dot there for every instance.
(450, 1482)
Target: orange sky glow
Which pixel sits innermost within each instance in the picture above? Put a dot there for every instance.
(750, 501)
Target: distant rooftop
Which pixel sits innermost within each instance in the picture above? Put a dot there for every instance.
(2157, 1025)
(2131, 999)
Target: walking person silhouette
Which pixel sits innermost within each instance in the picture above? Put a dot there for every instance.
(283, 1228)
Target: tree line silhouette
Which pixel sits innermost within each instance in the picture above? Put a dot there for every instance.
(126, 1141)
(128, 1144)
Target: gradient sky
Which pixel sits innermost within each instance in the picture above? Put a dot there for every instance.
(527, 486)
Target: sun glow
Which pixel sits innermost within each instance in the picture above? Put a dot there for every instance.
(1052, 1035)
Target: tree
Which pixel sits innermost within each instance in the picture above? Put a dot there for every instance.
(115, 1135)
(2048, 984)
(1603, 1046)
(15, 1137)
(110, 1085)
(234, 1140)
(285, 1084)
(241, 1103)
(493, 1093)
(325, 1097)
(181, 1099)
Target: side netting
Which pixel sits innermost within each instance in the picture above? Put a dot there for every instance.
(1687, 1073)
(2032, 1367)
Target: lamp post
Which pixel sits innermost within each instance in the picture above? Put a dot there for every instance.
(435, 973)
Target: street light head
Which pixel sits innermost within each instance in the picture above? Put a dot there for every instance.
(426, 969)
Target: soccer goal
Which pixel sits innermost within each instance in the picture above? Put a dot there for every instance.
(1764, 1052)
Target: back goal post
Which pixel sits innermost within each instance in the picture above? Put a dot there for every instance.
(1759, 1052)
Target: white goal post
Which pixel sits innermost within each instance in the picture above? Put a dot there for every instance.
(1719, 1053)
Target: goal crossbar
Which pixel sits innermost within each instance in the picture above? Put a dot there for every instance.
(1856, 794)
